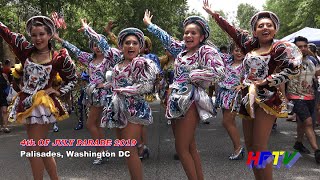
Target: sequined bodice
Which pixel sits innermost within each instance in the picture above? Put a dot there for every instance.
(35, 77)
(256, 67)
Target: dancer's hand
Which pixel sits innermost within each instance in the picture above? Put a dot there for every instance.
(260, 82)
(245, 32)
(105, 85)
(147, 17)
(52, 91)
(57, 38)
(239, 87)
(207, 7)
(84, 21)
(84, 24)
(109, 27)
(100, 85)
(118, 90)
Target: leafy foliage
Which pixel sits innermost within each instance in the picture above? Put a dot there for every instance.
(244, 14)
(295, 14)
(218, 36)
(168, 14)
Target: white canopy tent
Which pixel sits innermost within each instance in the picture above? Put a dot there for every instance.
(312, 34)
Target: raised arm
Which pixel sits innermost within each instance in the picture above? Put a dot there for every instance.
(84, 57)
(240, 37)
(18, 43)
(113, 38)
(173, 46)
(101, 42)
(112, 54)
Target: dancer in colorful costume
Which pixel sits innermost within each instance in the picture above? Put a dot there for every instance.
(267, 65)
(144, 151)
(229, 97)
(82, 108)
(97, 94)
(131, 79)
(37, 105)
(196, 66)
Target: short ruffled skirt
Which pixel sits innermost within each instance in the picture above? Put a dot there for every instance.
(98, 97)
(182, 97)
(270, 100)
(44, 109)
(228, 99)
(124, 109)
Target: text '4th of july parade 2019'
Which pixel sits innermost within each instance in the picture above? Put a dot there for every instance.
(80, 142)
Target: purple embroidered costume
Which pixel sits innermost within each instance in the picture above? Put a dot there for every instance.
(192, 75)
(227, 97)
(96, 96)
(33, 105)
(277, 66)
(130, 84)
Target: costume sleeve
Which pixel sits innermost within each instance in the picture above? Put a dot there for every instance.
(67, 71)
(156, 60)
(243, 40)
(288, 58)
(173, 46)
(226, 58)
(113, 55)
(144, 72)
(82, 56)
(17, 42)
(211, 67)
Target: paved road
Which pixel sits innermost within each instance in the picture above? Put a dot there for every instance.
(212, 140)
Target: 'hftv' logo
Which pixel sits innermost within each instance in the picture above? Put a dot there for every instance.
(261, 159)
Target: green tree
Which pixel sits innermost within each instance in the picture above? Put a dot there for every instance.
(218, 36)
(244, 14)
(295, 14)
(308, 13)
(286, 11)
(168, 14)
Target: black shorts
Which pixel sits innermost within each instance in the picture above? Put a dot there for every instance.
(3, 99)
(303, 108)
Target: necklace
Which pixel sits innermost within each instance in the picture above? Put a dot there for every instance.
(123, 64)
(42, 61)
(43, 52)
(264, 52)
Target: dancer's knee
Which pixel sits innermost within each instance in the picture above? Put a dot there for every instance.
(33, 148)
(193, 148)
(259, 147)
(181, 147)
(90, 125)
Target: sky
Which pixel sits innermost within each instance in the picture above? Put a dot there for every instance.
(228, 6)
